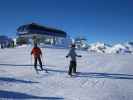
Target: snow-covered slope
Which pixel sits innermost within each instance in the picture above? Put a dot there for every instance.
(100, 77)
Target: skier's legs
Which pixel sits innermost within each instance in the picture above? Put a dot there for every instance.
(74, 66)
(40, 62)
(70, 68)
(35, 63)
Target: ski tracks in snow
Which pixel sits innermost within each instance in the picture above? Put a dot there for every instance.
(97, 83)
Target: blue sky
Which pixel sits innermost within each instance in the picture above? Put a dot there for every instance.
(109, 21)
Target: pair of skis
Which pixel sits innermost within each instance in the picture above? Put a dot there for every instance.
(38, 70)
(74, 75)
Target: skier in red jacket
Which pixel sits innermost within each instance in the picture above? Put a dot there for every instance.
(37, 53)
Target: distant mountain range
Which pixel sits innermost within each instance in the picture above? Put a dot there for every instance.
(105, 48)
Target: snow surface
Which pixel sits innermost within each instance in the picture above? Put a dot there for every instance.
(100, 76)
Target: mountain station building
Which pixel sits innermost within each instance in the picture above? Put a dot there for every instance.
(41, 34)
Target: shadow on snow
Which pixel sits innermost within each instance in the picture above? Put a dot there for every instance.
(17, 95)
(105, 75)
(85, 74)
(7, 79)
(49, 69)
(16, 65)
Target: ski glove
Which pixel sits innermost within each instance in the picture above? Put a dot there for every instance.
(66, 56)
(79, 56)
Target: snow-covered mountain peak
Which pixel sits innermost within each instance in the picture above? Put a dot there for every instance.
(106, 48)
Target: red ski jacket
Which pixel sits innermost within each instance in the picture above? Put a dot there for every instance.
(36, 52)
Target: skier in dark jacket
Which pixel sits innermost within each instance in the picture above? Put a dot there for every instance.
(73, 63)
(37, 53)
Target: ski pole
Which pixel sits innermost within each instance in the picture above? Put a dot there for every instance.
(31, 61)
(44, 58)
(68, 60)
(44, 64)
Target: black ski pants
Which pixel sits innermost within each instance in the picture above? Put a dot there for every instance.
(36, 59)
(72, 67)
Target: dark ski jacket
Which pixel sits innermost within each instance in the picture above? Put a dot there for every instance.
(72, 53)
